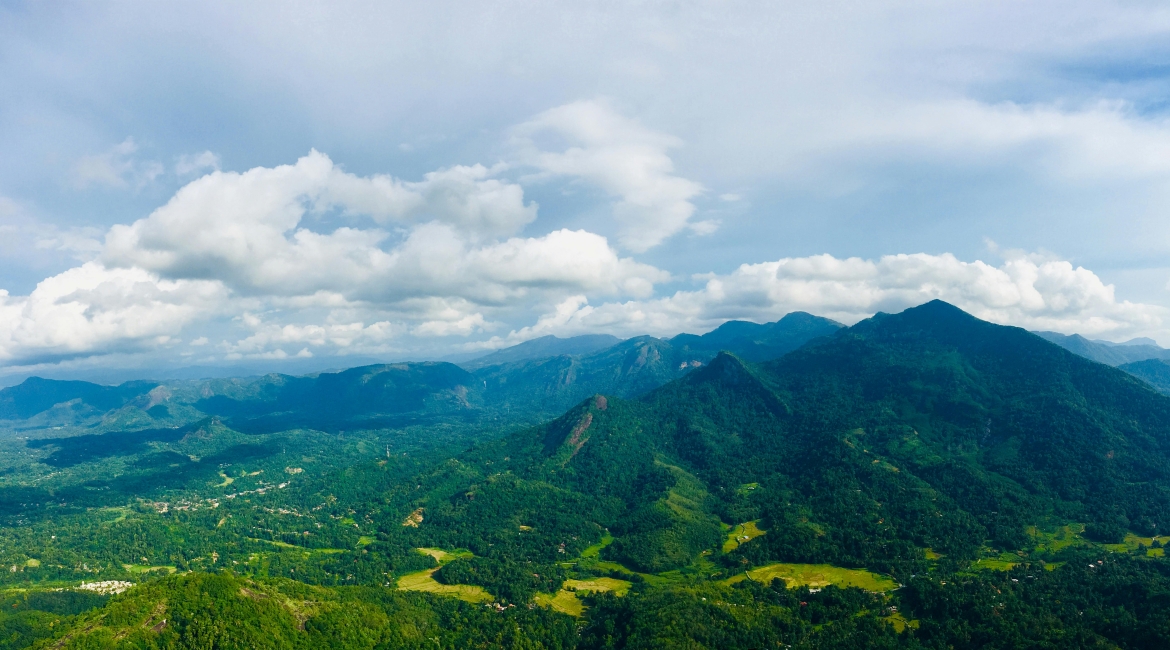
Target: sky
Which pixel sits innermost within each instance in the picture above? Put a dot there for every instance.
(271, 184)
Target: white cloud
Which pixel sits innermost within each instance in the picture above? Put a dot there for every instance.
(91, 308)
(116, 168)
(1029, 291)
(270, 336)
(307, 259)
(195, 163)
(419, 259)
(249, 231)
(623, 158)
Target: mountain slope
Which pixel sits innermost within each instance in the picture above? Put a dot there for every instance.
(36, 395)
(366, 397)
(1155, 372)
(925, 429)
(640, 364)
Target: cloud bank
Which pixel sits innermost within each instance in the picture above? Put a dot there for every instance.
(1029, 291)
(308, 259)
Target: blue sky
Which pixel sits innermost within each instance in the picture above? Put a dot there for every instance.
(221, 184)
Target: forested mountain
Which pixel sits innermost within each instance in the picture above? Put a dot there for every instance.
(928, 429)
(38, 395)
(755, 342)
(1155, 372)
(635, 366)
(1112, 354)
(526, 383)
(918, 480)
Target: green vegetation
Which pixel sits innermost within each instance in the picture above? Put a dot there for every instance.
(741, 534)
(817, 576)
(909, 482)
(598, 585)
(425, 581)
(563, 601)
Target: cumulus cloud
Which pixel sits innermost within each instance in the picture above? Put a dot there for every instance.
(1029, 291)
(306, 259)
(625, 159)
(250, 231)
(116, 168)
(434, 258)
(90, 308)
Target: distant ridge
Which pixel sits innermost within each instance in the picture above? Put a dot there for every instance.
(545, 346)
(756, 342)
(1106, 352)
(1155, 372)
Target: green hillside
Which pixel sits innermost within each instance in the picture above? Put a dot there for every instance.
(1155, 372)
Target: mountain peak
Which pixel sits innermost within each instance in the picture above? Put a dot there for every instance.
(937, 318)
(726, 368)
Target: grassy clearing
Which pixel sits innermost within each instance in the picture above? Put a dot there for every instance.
(425, 581)
(900, 623)
(740, 534)
(817, 576)
(121, 511)
(443, 557)
(618, 587)
(280, 544)
(995, 564)
(1133, 542)
(365, 540)
(747, 488)
(595, 550)
(565, 602)
(931, 554)
(1061, 538)
(227, 480)
(143, 568)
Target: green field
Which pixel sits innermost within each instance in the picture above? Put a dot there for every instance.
(740, 534)
(142, 568)
(595, 550)
(618, 587)
(425, 581)
(818, 575)
(1133, 542)
(442, 557)
(900, 623)
(1058, 539)
(995, 564)
(565, 602)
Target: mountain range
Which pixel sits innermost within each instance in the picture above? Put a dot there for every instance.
(917, 480)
